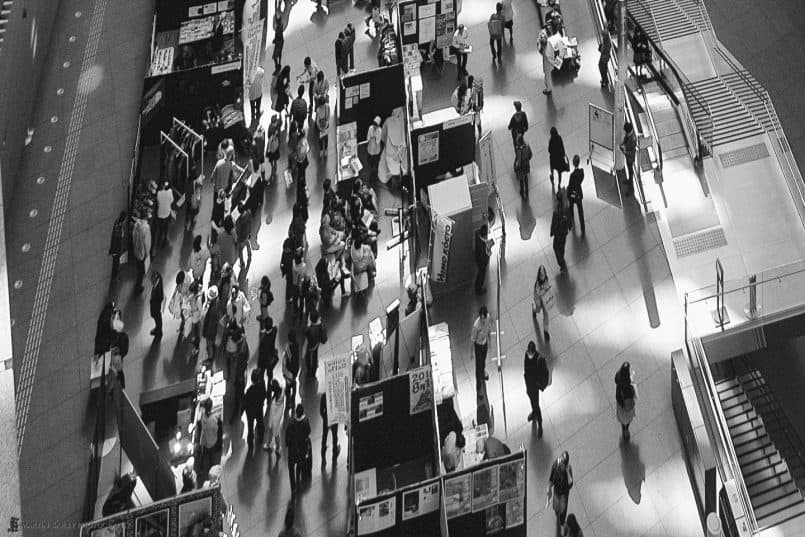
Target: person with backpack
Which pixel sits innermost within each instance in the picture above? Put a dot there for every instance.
(518, 124)
(543, 300)
(297, 438)
(560, 226)
(522, 164)
(559, 484)
(323, 123)
(535, 372)
(495, 26)
(626, 398)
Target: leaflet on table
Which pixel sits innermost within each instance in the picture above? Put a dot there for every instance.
(484, 488)
(377, 516)
(421, 501)
(457, 496)
(514, 512)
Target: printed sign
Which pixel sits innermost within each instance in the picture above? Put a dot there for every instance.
(511, 476)
(252, 36)
(428, 148)
(365, 485)
(377, 516)
(484, 488)
(420, 392)
(337, 382)
(440, 255)
(370, 407)
(457, 496)
(420, 501)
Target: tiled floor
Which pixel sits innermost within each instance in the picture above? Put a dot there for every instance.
(617, 303)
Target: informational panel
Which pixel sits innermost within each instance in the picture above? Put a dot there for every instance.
(252, 37)
(338, 382)
(602, 137)
(410, 511)
(456, 148)
(363, 96)
(486, 163)
(424, 21)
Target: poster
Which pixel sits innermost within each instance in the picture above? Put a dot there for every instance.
(210, 8)
(495, 519)
(195, 11)
(514, 512)
(427, 29)
(193, 514)
(153, 524)
(486, 148)
(115, 530)
(484, 488)
(366, 90)
(409, 12)
(409, 28)
(370, 407)
(337, 384)
(428, 148)
(421, 501)
(252, 36)
(457, 498)
(427, 11)
(377, 516)
(420, 390)
(511, 480)
(447, 6)
(351, 91)
(365, 485)
(442, 229)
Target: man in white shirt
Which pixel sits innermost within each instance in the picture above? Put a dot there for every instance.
(481, 331)
(308, 76)
(164, 203)
(373, 145)
(461, 44)
(256, 93)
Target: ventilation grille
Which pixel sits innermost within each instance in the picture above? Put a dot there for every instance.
(743, 155)
(696, 243)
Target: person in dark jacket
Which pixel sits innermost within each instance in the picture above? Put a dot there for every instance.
(605, 48)
(243, 234)
(325, 429)
(265, 296)
(518, 124)
(341, 54)
(483, 245)
(290, 369)
(575, 195)
(117, 245)
(241, 360)
(349, 45)
(557, 155)
(535, 372)
(212, 320)
(297, 438)
(315, 335)
(629, 148)
(299, 108)
(157, 303)
(267, 352)
(522, 164)
(253, 403)
(560, 226)
(104, 334)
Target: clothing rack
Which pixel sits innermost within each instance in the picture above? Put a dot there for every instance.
(196, 136)
(163, 137)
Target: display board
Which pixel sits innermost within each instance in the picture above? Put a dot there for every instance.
(452, 143)
(415, 510)
(423, 21)
(488, 499)
(602, 137)
(362, 96)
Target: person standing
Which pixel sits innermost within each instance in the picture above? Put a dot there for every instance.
(326, 428)
(495, 26)
(299, 108)
(141, 240)
(199, 256)
(315, 335)
(256, 93)
(374, 147)
(321, 86)
(323, 123)
(275, 412)
(297, 439)
(629, 148)
(508, 19)
(209, 432)
(481, 331)
(483, 251)
(273, 146)
(282, 88)
(253, 403)
(308, 76)
(605, 48)
(522, 164)
(626, 397)
(117, 244)
(265, 297)
(243, 235)
(156, 303)
(258, 150)
(575, 194)
(341, 54)
(164, 207)
(349, 44)
(535, 372)
(557, 155)
(241, 365)
(518, 124)
(546, 50)
(559, 230)
(559, 484)
(543, 300)
(301, 151)
(212, 318)
(461, 46)
(290, 370)
(279, 41)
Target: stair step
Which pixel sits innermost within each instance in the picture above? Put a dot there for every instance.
(737, 410)
(674, 153)
(745, 428)
(775, 474)
(740, 418)
(773, 494)
(760, 465)
(673, 141)
(762, 487)
(780, 510)
(748, 436)
(756, 455)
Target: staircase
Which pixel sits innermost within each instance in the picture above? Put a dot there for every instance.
(668, 126)
(669, 21)
(775, 495)
(5, 13)
(731, 120)
(751, 94)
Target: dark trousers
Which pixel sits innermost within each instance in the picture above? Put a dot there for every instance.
(256, 107)
(312, 360)
(157, 316)
(333, 430)
(630, 168)
(351, 58)
(522, 177)
(602, 68)
(558, 174)
(374, 164)
(140, 273)
(578, 203)
(496, 41)
(533, 396)
(480, 363)
(482, 267)
(250, 424)
(294, 473)
(162, 232)
(290, 395)
(115, 266)
(461, 61)
(237, 401)
(559, 250)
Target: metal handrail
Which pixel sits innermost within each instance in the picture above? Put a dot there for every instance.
(697, 351)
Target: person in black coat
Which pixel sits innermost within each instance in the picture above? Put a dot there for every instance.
(253, 403)
(560, 226)
(117, 245)
(297, 438)
(325, 429)
(575, 194)
(267, 352)
(290, 370)
(156, 303)
(535, 372)
(341, 54)
(557, 155)
(482, 246)
(103, 331)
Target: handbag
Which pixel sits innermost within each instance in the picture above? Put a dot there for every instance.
(566, 165)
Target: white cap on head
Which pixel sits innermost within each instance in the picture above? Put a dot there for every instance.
(377, 120)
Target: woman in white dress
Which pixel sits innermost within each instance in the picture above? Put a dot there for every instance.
(275, 410)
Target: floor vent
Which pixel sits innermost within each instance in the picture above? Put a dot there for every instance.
(743, 155)
(696, 243)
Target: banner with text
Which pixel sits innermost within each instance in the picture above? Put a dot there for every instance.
(252, 37)
(420, 393)
(337, 382)
(440, 255)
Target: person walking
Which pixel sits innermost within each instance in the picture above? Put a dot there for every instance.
(559, 484)
(256, 93)
(605, 48)
(253, 403)
(575, 195)
(211, 326)
(557, 156)
(460, 99)
(495, 26)
(349, 45)
(239, 384)
(315, 334)
(508, 19)
(560, 226)
(258, 150)
(156, 303)
(535, 372)
(341, 61)
(481, 331)
(117, 244)
(483, 251)
(374, 146)
(290, 370)
(141, 241)
(209, 434)
(243, 235)
(326, 428)
(273, 146)
(199, 256)
(518, 124)
(279, 41)
(543, 300)
(299, 108)
(321, 87)
(522, 164)
(265, 297)
(282, 88)
(289, 530)
(626, 397)
(308, 76)
(461, 48)
(547, 52)
(164, 208)
(267, 347)
(275, 414)
(297, 439)
(629, 148)
(323, 123)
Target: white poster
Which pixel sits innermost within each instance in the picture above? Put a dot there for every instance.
(440, 255)
(420, 392)
(427, 11)
(427, 28)
(428, 148)
(337, 382)
(365, 485)
(486, 148)
(421, 501)
(409, 28)
(377, 516)
(252, 36)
